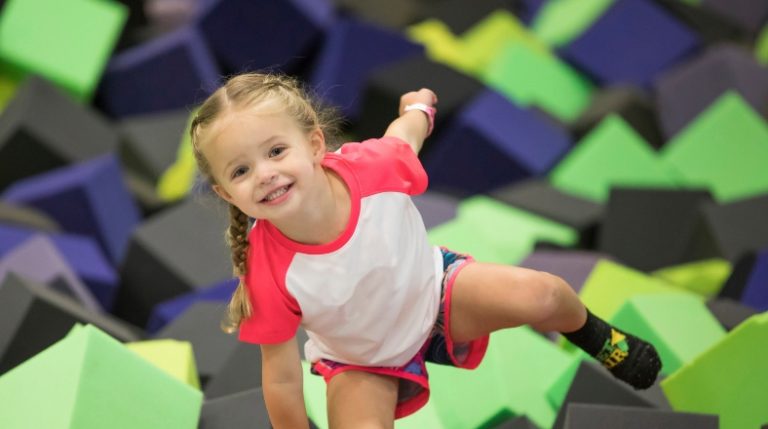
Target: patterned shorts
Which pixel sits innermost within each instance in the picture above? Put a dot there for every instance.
(439, 348)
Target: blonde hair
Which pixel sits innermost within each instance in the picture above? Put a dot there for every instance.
(250, 90)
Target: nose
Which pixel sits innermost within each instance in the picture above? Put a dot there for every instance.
(267, 176)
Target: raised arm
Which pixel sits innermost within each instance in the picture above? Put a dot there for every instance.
(282, 384)
(413, 126)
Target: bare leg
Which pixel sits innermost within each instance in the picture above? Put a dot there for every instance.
(361, 400)
(489, 297)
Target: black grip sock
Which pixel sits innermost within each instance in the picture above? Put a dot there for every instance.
(627, 357)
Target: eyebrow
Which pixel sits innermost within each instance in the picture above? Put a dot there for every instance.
(268, 140)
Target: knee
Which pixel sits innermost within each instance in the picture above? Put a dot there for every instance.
(552, 291)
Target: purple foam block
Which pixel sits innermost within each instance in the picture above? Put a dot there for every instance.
(251, 35)
(685, 91)
(38, 260)
(573, 266)
(351, 51)
(756, 290)
(493, 143)
(174, 71)
(436, 208)
(632, 42)
(87, 198)
(167, 311)
(82, 254)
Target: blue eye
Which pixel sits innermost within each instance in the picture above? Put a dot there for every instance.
(276, 151)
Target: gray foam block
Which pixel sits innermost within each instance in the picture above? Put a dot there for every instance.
(595, 416)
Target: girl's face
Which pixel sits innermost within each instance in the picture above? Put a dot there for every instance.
(263, 163)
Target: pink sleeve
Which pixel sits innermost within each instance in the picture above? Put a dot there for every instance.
(275, 314)
(386, 164)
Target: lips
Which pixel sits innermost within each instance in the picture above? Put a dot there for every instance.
(277, 193)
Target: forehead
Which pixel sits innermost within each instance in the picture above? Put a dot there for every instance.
(246, 125)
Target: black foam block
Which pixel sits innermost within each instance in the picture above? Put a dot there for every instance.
(381, 97)
(149, 143)
(595, 416)
(27, 217)
(176, 251)
(540, 197)
(200, 324)
(732, 230)
(685, 91)
(595, 385)
(630, 103)
(729, 312)
(242, 369)
(708, 24)
(651, 228)
(749, 15)
(43, 128)
(239, 410)
(33, 317)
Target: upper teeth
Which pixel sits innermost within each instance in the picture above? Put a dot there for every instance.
(277, 193)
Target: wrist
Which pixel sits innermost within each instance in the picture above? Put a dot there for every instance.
(428, 110)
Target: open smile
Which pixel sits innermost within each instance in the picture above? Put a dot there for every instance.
(277, 195)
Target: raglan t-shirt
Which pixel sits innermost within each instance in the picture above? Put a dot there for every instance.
(371, 296)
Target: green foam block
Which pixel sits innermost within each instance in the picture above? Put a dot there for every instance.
(724, 149)
(679, 325)
(729, 379)
(67, 42)
(705, 278)
(761, 46)
(492, 231)
(559, 22)
(89, 380)
(174, 357)
(612, 154)
(532, 79)
(610, 285)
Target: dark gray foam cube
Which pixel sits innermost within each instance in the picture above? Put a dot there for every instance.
(43, 128)
(178, 250)
(729, 312)
(436, 208)
(149, 143)
(634, 106)
(23, 216)
(595, 385)
(595, 416)
(540, 197)
(33, 317)
(200, 324)
(650, 229)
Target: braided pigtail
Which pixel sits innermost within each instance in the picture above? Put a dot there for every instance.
(237, 237)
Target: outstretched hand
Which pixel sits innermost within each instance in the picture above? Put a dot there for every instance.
(424, 95)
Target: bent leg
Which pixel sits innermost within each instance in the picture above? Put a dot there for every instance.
(358, 399)
(489, 297)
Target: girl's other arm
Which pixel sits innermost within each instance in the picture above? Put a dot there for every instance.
(412, 126)
(282, 384)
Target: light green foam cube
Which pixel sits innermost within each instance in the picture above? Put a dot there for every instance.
(729, 379)
(704, 278)
(761, 46)
(680, 326)
(492, 231)
(724, 149)
(559, 22)
(612, 154)
(89, 380)
(179, 178)
(67, 42)
(532, 79)
(174, 357)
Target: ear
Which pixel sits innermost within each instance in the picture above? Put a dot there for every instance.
(221, 192)
(317, 144)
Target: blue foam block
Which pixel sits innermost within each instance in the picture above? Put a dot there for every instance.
(492, 143)
(167, 311)
(87, 198)
(174, 71)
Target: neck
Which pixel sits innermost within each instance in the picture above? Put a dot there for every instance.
(326, 216)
